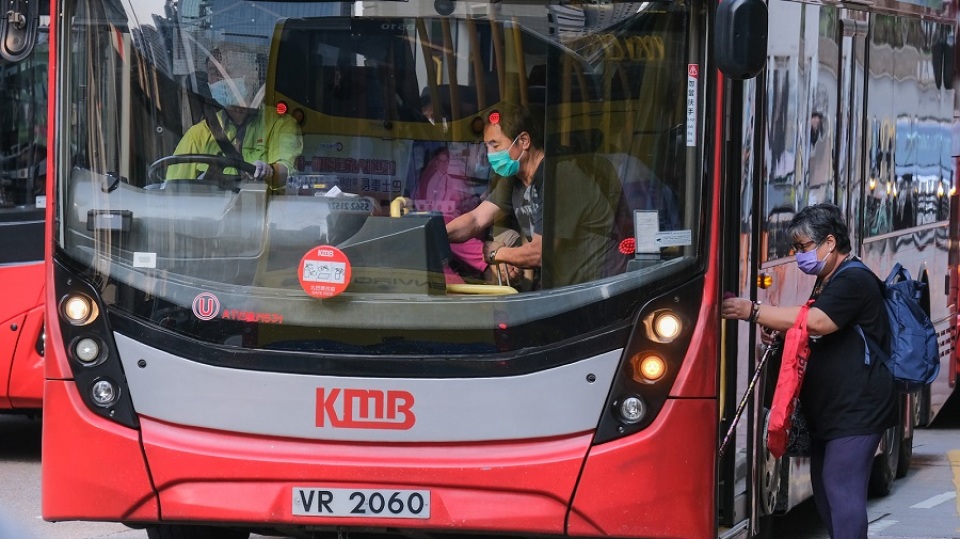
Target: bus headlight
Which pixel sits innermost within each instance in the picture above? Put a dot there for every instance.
(78, 309)
(648, 367)
(104, 393)
(663, 326)
(632, 410)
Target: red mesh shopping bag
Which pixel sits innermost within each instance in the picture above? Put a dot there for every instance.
(796, 351)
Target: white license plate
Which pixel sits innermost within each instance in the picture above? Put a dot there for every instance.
(369, 503)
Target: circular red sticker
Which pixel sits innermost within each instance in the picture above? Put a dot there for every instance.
(324, 272)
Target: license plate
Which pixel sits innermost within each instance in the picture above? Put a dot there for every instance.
(351, 204)
(369, 503)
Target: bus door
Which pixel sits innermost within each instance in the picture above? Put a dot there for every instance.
(790, 132)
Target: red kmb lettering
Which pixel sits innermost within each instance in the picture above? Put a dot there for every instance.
(351, 408)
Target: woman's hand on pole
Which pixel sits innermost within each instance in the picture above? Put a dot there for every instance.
(736, 309)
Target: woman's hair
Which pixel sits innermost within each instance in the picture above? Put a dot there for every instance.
(819, 221)
(515, 119)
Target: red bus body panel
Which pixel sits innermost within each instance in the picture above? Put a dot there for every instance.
(21, 316)
(657, 483)
(96, 471)
(627, 488)
(516, 486)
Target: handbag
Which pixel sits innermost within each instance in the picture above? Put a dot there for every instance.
(796, 351)
(798, 437)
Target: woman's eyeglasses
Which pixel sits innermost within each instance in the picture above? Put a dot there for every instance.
(802, 247)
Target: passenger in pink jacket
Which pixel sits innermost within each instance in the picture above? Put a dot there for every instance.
(443, 188)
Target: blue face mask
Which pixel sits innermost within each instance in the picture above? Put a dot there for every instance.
(502, 163)
(808, 263)
(229, 92)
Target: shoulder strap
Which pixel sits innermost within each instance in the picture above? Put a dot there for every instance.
(852, 263)
(871, 348)
(213, 123)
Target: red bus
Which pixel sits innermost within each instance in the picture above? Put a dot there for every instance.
(227, 357)
(23, 170)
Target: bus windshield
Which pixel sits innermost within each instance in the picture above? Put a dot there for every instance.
(294, 167)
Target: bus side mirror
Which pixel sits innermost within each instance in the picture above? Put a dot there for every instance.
(740, 39)
(19, 20)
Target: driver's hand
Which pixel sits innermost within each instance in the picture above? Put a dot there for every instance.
(506, 274)
(489, 247)
(263, 172)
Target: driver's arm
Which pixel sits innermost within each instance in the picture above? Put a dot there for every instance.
(283, 145)
(472, 223)
(528, 255)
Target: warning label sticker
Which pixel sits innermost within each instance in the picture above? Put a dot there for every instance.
(324, 272)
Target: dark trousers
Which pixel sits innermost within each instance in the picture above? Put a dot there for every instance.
(840, 470)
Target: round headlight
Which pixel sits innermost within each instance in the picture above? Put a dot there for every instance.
(78, 310)
(87, 350)
(663, 326)
(648, 367)
(652, 368)
(104, 393)
(632, 410)
(667, 326)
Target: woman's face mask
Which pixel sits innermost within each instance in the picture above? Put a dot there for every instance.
(808, 262)
(502, 163)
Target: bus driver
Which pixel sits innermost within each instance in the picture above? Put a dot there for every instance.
(586, 195)
(515, 151)
(243, 128)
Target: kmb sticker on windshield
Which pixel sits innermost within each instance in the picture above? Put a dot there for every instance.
(324, 272)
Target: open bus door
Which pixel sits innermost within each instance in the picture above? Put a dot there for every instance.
(748, 482)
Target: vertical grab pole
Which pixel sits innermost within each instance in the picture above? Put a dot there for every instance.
(477, 61)
(497, 33)
(451, 60)
(521, 64)
(427, 47)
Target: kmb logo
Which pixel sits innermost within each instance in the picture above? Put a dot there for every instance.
(365, 409)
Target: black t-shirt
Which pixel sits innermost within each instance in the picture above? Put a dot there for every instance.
(842, 395)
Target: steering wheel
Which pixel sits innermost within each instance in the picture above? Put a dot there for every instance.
(213, 176)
